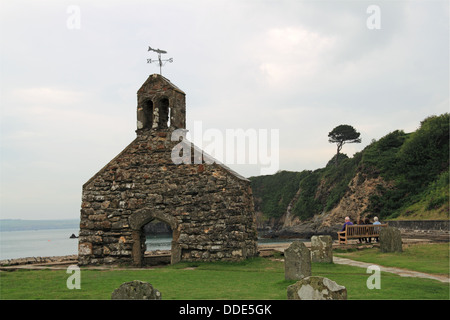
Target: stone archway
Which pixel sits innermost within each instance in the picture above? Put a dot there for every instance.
(139, 219)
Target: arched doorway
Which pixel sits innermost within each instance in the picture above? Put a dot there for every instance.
(138, 220)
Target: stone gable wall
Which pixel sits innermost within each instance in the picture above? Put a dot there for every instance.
(209, 209)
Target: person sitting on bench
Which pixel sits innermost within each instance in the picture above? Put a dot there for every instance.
(375, 221)
(347, 223)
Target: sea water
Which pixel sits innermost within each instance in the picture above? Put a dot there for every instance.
(158, 242)
(57, 242)
(37, 243)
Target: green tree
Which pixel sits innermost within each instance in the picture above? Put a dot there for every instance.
(343, 134)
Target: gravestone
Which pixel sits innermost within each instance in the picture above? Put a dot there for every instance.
(390, 240)
(297, 261)
(322, 249)
(316, 288)
(136, 290)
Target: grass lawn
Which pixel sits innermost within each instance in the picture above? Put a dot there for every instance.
(253, 279)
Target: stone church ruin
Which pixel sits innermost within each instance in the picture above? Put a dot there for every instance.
(208, 207)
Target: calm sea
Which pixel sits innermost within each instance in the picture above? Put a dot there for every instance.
(37, 243)
(57, 242)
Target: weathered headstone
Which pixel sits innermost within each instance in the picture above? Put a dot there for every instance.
(136, 290)
(390, 240)
(316, 288)
(297, 261)
(322, 249)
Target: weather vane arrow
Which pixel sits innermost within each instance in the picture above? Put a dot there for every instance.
(160, 61)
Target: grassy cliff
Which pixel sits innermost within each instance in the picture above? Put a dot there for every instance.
(401, 176)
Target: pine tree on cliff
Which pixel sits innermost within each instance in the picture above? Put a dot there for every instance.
(343, 134)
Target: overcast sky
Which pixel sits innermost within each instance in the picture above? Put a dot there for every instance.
(70, 71)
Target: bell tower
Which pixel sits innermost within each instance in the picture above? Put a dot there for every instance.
(161, 106)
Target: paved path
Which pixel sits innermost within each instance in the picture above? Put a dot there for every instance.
(399, 271)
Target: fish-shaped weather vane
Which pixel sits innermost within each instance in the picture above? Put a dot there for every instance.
(160, 61)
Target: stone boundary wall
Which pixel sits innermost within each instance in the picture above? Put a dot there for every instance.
(40, 260)
(420, 225)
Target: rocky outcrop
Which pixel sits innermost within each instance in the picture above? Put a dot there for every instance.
(355, 201)
(288, 219)
(353, 204)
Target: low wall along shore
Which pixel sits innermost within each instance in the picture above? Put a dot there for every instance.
(423, 225)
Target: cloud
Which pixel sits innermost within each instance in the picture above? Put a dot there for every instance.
(291, 54)
(68, 96)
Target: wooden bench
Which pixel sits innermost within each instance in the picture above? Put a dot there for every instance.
(358, 231)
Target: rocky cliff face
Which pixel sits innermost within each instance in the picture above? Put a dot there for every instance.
(288, 219)
(353, 204)
(355, 201)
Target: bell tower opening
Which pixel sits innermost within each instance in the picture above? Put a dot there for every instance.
(164, 110)
(161, 106)
(148, 114)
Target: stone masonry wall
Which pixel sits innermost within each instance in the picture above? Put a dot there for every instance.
(208, 207)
